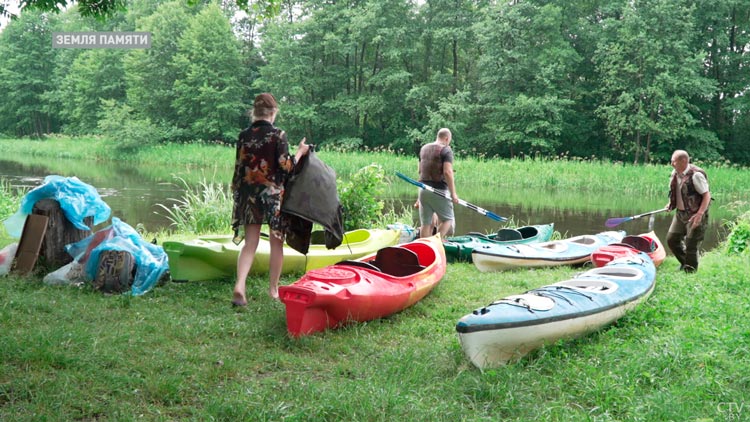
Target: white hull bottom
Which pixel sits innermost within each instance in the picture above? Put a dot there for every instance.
(489, 263)
(492, 348)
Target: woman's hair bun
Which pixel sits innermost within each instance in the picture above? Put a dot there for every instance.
(264, 105)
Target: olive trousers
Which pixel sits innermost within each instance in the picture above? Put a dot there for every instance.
(684, 240)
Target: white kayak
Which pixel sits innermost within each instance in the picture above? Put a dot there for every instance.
(571, 251)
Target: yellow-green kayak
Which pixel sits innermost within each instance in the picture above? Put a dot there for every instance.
(214, 257)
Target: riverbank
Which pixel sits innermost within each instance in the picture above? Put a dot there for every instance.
(577, 195)
(600, 177)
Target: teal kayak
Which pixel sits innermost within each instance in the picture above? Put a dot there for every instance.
(459, 248)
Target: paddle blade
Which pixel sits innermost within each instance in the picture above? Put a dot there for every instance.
(614, 222)
(496, 217)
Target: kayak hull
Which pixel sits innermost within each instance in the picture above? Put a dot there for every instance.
(459, 248)
(215, 257)
(362, 290)
(508, 329)
(572, 251)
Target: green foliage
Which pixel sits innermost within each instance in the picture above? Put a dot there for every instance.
(102, 9)
(96, 8)
(207, 87)
(10, 201)
(128, 132)
(530, 125)
(360, 197)
(344, 145)
(623, 80)
(95, 76)
(524, 75)
(26, 67)
(738, 241)
(452, 112)
(204, 209)
(649, 73)
(151, 73)
(341, 74)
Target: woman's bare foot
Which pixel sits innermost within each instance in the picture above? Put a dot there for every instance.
(239, 299)
(273, 291)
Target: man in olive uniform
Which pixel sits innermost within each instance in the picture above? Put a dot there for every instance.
(689, 195)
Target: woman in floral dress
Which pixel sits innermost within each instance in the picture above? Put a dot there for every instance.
(262, 166)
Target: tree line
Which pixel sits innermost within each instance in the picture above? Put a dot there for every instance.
(625, 80)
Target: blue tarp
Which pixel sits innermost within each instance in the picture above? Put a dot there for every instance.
(150, 260)
(77, 200)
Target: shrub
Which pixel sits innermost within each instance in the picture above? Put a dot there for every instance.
(739, 238)
(358, 196)
(345, 144)
(120, 123)
(207, 208)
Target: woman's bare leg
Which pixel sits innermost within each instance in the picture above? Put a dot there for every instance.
(277, 259)
(245, 261)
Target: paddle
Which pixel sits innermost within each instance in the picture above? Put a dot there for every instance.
(447, 195)
(614, 222)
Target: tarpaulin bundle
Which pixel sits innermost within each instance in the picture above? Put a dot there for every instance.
(151, 261)
(77, 200)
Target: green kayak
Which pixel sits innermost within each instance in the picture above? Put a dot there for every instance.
(215, 257)
(459, 248)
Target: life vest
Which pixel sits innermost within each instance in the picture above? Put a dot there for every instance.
(690, 197)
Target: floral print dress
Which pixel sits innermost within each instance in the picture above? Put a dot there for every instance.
(262, 166)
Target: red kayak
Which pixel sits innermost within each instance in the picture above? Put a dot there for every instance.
(372, 287)
(631, 245)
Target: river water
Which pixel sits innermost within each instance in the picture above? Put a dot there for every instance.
(133, 195)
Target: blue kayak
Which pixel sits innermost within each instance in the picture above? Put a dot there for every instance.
(509, 328)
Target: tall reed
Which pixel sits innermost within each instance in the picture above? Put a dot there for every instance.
(205, 208)
(10, 199)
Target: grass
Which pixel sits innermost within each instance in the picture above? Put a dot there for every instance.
(181, 352)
